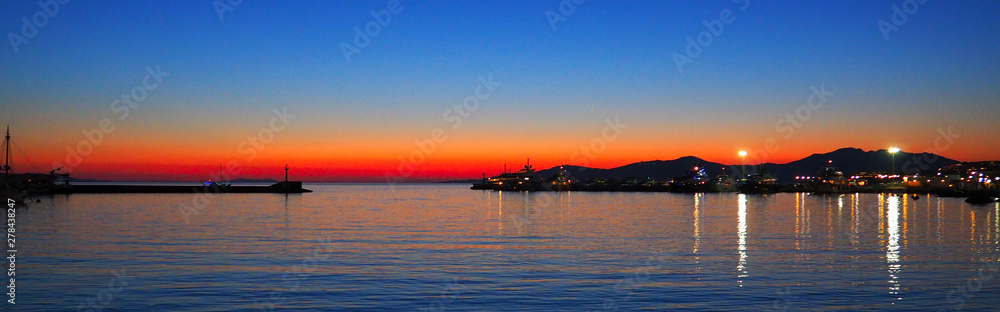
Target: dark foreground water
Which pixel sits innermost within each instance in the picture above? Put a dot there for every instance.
(445, 247)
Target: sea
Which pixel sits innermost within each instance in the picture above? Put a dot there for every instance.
(444, 247)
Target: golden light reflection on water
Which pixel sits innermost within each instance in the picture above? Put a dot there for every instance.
(741, 232)
(972, 230)
(939, 229)
(881, 219)
(892, 249)
(798, 221)
(906, 217)
(697, 224)
(802, 221)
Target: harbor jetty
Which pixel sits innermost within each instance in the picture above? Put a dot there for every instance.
(18, 187)
(285, 187)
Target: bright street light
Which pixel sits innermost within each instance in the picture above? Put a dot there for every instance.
(892, 151)
(743, 155)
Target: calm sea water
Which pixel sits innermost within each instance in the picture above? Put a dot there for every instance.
(448, 248)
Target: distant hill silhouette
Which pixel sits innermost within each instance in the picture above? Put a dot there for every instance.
(854, 160)
(849, 160)
(661, 170)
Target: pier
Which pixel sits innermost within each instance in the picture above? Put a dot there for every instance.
(286, 187)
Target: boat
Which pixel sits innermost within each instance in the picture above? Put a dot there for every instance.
(559, 182)
(722, 183)
(982, 199)
(482, 185)
(651, 185)
(11, 190)
(695, 180)
(23, 185)
(525, 179)
(830, 180)
(760, 182)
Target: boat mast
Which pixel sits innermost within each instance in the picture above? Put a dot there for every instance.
(6, 158)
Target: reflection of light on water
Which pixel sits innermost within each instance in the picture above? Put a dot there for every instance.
(855, 221)
(741, 229)
(906, 218)
(972, 230)
(987, 232)
(840, 216)
(892, 249)
(940, 220)
(697, 225)
(500, 211)
(800, 211)
(798, 220)
(801, 221)
(829, 220)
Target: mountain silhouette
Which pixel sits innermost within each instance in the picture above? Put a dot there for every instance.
(661, 170)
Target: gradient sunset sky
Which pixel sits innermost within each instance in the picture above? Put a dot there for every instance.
(938, 69)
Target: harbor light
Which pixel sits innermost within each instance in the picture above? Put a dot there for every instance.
(743, 155)
(892, 151)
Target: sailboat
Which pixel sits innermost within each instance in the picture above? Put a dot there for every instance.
(9, 191)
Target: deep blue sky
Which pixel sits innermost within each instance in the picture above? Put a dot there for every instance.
(606, 59)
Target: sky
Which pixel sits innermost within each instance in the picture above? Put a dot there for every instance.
(438, 90)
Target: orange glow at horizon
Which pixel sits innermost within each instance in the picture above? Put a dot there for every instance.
(145, 156)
